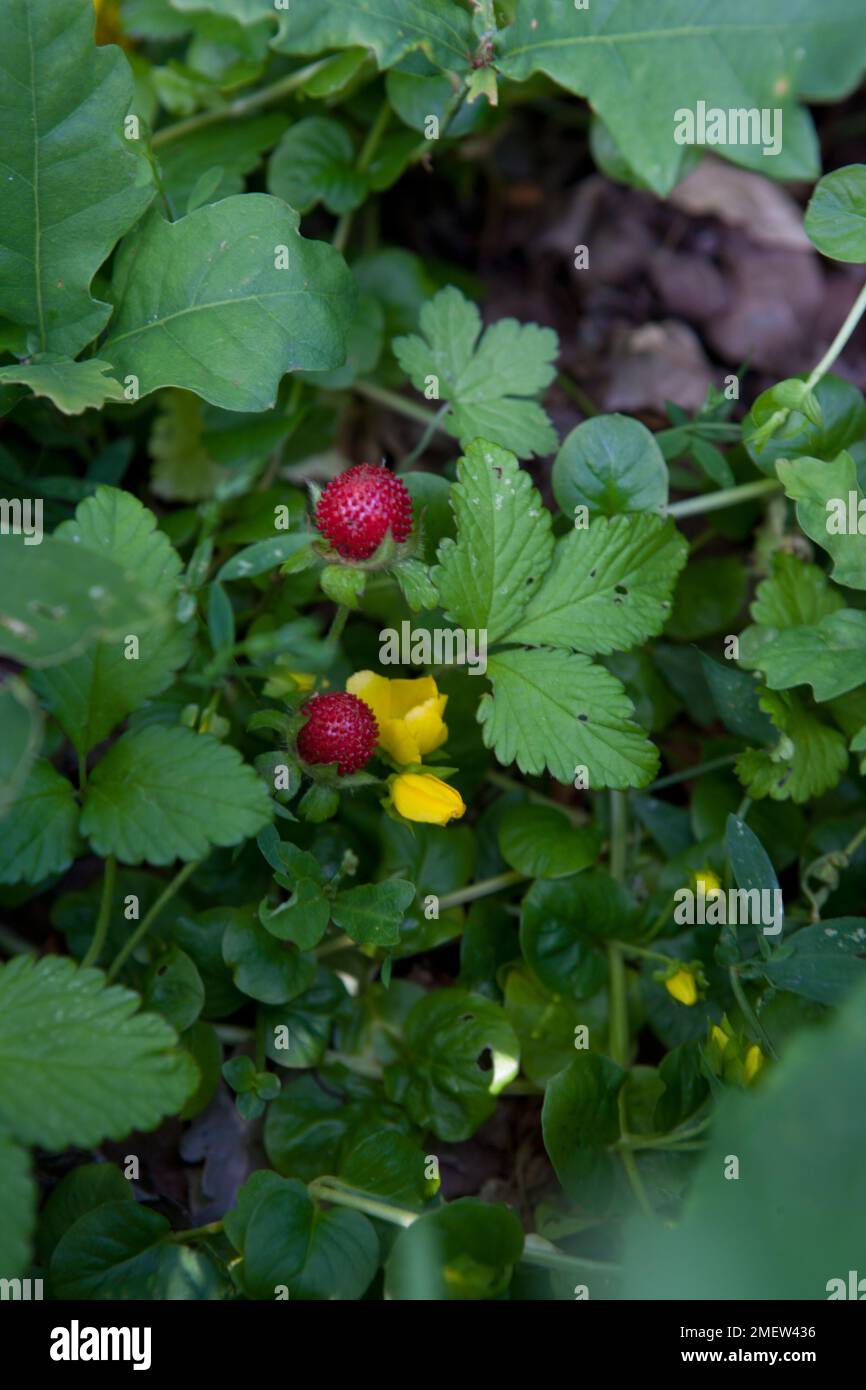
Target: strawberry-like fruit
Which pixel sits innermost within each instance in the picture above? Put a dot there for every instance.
(357, 509)
(340, 729)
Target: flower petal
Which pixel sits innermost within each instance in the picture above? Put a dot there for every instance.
(375, 691)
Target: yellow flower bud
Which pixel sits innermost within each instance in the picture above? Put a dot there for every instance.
(753, 1063)
(420, 796)
(683, 987)
(705, 879)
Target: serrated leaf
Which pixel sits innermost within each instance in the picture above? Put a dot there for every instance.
(314, 162)
(40, 834)
(796, 594)
(373, 912)
(201, 303)
(56, 600)
(162, 794)
(830, 655)
(609, 586)
(557, 710)
(489, 380)
(835, 220)
(91, 694)
(416, 585)
(675, 57)
(817, 485)
(436, 1075)
(17, 1208)
(391, 29)
(72, 386)
(504, 542)
(809, 759)
(93, 1067)
(72, 183)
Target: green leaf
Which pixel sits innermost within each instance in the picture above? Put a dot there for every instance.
(416, 584)
(541, 843)
(201, 937)
(244, 11)
(316, 1254)
(504, 543)
(835, 219)
(162, 794)
(314, 163)
(546, 1023)
(732, 1235)
(373, 913)
(109, 1069)
(392, 29)
(808, 760)
(675, 57)
(310, 1131)
(563, 923)
(21, 728)
(40, 834)
(73, 183)
(843, 423)
(830, 655)
(708, 598)
(308, 1018)
(91, 694)
(465, 1250)
(173, 988)
(610, 464)
(437, 1077)
(821, 962)
(797, 594)
(262, 556)
(183, 470)
(750, 863)
(609, 587)
(736, 697)
(201, 303)
(556, 710)
(261, 967)
(87, 1187)
(17, 1208)
(819, 486)
(303, 918)
(121, 1250)
(343, 584)
(55, 600)
(579, 1120)
(72, 386)
(391, 1166)
(241, 145)
(489, 383)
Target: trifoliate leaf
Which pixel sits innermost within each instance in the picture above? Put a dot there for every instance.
(315, 163)
(72, 183)
(372, 913)
(825, 491)
(39, 836)
(808, 760)
(72, 386)
(17, 1208)
(675, 58)
(490, 384)
(504, 545)
(829, 655)
(557, 710)
(390, 29)
(90, 694)
(227, 300)
(609, 586)
(93, 1068)
(437, 1077)
(166, 793)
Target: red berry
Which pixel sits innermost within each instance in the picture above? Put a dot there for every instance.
(340, 729)
(358, 507)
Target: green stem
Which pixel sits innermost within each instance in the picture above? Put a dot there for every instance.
(687, 773)
(854, 316)
(424, 441)
(365, 158)
(749, 1013)
(243, 106)
(401, 404)
(335, 631)
(632, 1172)
(361, 1066)
(197, 1232)
(338, 943)
(725, 497)
(483, 889)
(618, 829)
(94, 950)
(618, 1004)
(148, 920)
(629, 948)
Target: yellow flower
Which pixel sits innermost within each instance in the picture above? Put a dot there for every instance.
(409, 714)
(683, 987)
(420, 796)
(706, 879)
(753, 1063)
